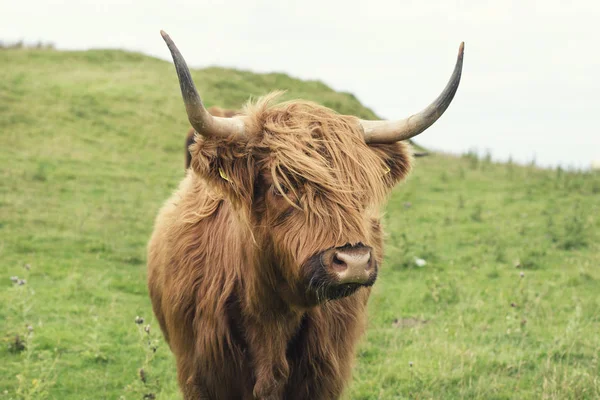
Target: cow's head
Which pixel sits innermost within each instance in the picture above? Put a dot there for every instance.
(307, 182)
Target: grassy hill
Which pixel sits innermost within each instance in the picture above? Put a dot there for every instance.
(91, 144)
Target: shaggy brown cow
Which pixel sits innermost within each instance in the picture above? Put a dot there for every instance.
(260, 265)
(189, 139)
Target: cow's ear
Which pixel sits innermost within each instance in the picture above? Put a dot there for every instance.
(227, 166)
(397, 157)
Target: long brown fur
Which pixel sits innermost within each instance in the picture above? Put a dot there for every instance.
(228, 255)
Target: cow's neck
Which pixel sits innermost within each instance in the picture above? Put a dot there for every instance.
(270, 302)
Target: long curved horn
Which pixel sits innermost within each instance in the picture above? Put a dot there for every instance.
(204, 123)
(394, 131)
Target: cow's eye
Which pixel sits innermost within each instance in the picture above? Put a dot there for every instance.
(277, 192)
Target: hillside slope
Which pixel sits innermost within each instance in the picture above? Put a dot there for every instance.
(91, 144)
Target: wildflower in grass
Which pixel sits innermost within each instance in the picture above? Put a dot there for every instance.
(139, 320)
(21, 282)
(14, 279)
(410, 364)
(147, 329)
(522, 274)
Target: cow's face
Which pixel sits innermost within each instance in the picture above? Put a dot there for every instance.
(307, 183)
(310, 189)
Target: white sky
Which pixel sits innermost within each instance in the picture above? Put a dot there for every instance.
(531, 75)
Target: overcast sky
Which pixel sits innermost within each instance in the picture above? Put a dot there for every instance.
(531, 73)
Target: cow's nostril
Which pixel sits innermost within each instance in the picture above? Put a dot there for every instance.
(338, 264)
(369, 263)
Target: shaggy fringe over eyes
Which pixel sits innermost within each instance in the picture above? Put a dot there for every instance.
(307, 143)
(319, 156)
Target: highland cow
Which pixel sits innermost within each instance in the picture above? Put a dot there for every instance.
(261, 263)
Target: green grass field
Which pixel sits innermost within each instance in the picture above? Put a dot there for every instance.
(91, 144)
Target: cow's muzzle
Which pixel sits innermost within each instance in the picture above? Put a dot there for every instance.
(349, 264)
(339, 272)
